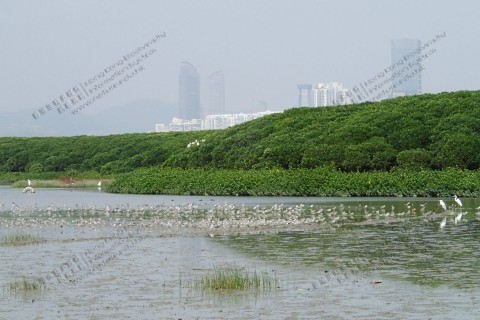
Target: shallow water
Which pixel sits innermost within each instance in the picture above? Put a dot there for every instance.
(127, 256)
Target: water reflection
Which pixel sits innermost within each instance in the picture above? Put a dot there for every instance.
(415, 250)
(326, 252)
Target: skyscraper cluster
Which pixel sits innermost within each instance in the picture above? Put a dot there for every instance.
(322, 94)
(189, 103)
(192, 115)
(403, 83)
(329, 94)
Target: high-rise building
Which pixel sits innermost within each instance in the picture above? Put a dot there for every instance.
(216, 94)
(304, 95)
(329, 94)
(407, 50)
(189, 92)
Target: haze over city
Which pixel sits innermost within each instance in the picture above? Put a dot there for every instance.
(264, 48)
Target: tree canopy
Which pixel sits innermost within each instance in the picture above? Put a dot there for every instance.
(429, 131)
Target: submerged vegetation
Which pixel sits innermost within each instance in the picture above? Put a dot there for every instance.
(21, 239)
(235, 278)
(420, 145)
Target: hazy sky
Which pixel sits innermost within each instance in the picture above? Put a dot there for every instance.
(264, 47)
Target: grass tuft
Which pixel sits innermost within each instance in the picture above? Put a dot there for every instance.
(21, 239)
(25, 284)
(235, 278)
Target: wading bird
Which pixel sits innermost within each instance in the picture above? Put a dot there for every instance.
(443, 204)
(458, 201)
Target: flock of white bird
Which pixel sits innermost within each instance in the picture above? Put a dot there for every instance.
(220, 218)
(459, 215)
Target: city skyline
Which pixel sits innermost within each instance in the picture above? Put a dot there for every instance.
(403, 78)
(264, 59)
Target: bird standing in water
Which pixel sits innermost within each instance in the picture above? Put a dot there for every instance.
(443, 204)
(458, 201)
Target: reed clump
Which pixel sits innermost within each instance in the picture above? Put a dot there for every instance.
(21, 239)
(233, 278)
(26, 284)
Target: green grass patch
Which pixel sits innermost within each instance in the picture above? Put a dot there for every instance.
(26, 284)
(21, 239)
(234, 278)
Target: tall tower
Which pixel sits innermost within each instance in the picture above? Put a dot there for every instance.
(189, 92)
(408, 50)
(216, 94)
(304, 95)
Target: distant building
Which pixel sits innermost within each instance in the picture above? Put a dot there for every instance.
(216, 94)
(180, 125)
(329, 94)
(304, 95)
(189, 92)
(222, 121)
(211, 122)
(410, 48)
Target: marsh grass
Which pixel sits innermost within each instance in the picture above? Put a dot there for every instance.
(234, 278)
(26, 284)
(21, 239)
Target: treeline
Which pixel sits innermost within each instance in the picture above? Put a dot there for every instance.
(430, 131)
(101, 154)
(434, 131)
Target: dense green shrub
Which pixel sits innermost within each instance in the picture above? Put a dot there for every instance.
(414, 159)
(323, 181)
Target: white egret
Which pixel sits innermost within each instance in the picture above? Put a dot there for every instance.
(99, 183)
(443, 223)
(29, 182)
(458, 201)
(443, 204)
